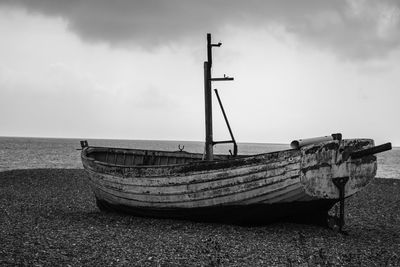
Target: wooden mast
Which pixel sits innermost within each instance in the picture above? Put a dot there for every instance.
(208, 114)
(208, 100)
(207, 97)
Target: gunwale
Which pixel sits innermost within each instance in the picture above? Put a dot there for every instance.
(241, 159)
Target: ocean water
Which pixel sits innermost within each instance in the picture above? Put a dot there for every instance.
(27, 153)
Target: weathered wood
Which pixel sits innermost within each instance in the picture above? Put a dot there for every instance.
(370, 151)
(273, 178)
(208, 101)
(198, 179)
(232, 185)
(208, 110)
(227, 124)
(325, 161)
(220, 199)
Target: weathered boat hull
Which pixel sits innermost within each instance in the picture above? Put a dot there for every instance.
(247, 188)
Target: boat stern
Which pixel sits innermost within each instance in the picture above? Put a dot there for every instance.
(324, 165)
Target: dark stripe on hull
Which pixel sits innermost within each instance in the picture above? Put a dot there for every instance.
(300, 211)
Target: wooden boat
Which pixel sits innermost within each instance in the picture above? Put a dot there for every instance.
(300, 182)
(295, 182)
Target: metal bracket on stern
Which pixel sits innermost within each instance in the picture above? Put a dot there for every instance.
(340, 183)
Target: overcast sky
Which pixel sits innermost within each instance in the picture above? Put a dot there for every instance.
(134, 69)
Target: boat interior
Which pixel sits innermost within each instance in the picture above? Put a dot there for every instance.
(141, 157)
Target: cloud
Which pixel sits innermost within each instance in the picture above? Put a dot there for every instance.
(356, 29)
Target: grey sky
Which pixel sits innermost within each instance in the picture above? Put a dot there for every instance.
(133, 69)
(358, 29)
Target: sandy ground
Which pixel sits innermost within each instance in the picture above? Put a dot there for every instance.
(48, 217)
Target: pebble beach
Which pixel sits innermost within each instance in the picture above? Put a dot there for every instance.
(48, 217)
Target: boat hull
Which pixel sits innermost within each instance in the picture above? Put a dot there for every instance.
(263, 187)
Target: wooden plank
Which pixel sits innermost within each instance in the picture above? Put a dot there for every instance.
(219, 179)
(244, 180)
(222, 200)
(195, 178)
(212, 195)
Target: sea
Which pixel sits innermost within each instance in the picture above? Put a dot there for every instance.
(32, 153)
